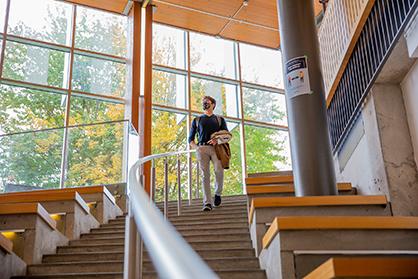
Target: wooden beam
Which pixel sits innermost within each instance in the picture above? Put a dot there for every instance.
(277, 179)
(50, 197)
(338, 223)
(374, 267)
(80, 190)
(266, 202)
(28, 208)
(287, 188)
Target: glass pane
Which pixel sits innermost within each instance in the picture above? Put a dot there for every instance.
(169, 133)
(30, 161)
(267, 149)
(226, 96)
(87, 110)
(3, 4)
(95, 155)
(264, 106)
(168, 89)
(168, 46)
(42, 20)
(261, 65)
(24, 109)
(212, 56)
(101, 32)
(99, 76)
(233, 175)
(36, 65)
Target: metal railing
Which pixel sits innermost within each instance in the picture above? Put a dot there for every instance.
(335, 34)
(383, 28)
(171, 255)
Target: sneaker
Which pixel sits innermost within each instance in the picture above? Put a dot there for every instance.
(217, 201)
(207, 207)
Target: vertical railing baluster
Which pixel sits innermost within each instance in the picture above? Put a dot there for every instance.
(153, 179)
(178, 186)
(197, 180)
(190, 177)
(165, 188)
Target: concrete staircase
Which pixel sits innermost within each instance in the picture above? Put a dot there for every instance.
(221, 237)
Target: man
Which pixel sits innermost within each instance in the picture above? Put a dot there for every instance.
(205, 125)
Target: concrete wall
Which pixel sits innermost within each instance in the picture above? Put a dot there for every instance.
(378, 157)
(361, 161)
(410, 94)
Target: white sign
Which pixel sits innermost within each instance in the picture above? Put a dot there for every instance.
(297, 77)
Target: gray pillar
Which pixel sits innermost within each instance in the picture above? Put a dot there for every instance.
(312, 162)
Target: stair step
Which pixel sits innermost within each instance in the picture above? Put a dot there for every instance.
(198, 208)
(220, 263)
(108, 230)
(225, 274)
(211, 223)
(214, 212)
(95, 275)
(210, 230)
(200, 244)
(219, 252)
(69, 267)
(209, 216)
(225, 237)
(90, 248)
(218, 225)
(83, 257)
(112, 226)
(225, 204)
(103, 240)
(102, 235)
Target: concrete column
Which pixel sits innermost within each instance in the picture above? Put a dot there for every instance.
(312, 162)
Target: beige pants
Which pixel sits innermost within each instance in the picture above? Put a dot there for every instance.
(205, 154)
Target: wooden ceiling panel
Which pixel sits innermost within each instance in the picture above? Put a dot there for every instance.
(263, 12)
(187, 19)
(219, 7)
(116, 6)
(252, 35)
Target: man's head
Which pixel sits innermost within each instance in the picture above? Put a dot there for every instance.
(208, 103)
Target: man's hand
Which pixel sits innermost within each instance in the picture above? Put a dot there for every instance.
(213, 142)
(193, 145)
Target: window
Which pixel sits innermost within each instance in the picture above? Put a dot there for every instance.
(267, 149)
(3, 4)
(226, 96)
(31, 160)
(42, 20)
(169, 46)
(169, 134)
(101, 32)
(24, 109)
(86, 110)
(212, 56)
(261, 66)
(95, 154)
(169, 89)
(36, 64)
(99, 76)
(233, 176)
(264, 106)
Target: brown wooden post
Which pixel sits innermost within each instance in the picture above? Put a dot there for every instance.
(147, 103)
(135, 64)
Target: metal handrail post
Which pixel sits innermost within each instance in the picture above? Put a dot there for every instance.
(179, 186)
(132, 261)
(165, 188)
(190, 177)
(153, 178)
(197, 180)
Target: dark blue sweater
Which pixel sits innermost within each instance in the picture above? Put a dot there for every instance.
(207, 126)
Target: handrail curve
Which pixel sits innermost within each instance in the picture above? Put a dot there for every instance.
(172, 256)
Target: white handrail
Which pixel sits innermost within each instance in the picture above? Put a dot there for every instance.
(171, 254)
